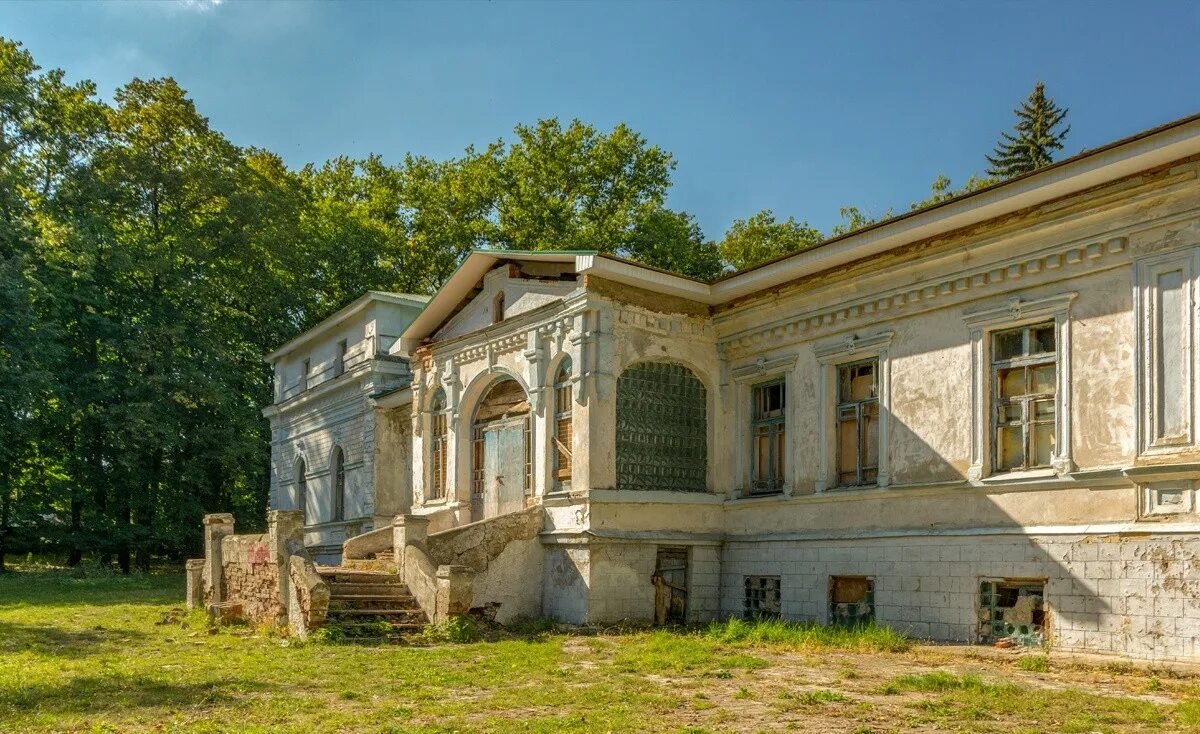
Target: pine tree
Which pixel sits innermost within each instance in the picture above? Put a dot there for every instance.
(1037, 137)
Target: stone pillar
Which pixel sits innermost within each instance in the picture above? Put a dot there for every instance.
(407, 529)
(195, 583)
(285, 534)
(453, 592)
(216, 527)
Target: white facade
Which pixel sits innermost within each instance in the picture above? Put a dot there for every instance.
(973, 421)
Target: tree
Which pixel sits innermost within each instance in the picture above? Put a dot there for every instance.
(576, 188)
(1038, 133)
(672, 241)
(760, 238)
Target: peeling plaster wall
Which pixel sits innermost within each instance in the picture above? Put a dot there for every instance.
(1136, 596)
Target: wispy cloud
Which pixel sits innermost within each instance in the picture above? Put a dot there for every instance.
(199, 6)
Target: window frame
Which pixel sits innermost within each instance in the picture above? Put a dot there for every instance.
(562, 414)
(337, 485)
(849, 350)
(861, 468)
(339, 364)
(1017, 312)
(776, 428)
(439, 446)
(300, 476)
(1148, 346)
(746, 376)
(1026, 361)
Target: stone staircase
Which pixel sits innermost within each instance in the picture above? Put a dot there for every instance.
(368, 600)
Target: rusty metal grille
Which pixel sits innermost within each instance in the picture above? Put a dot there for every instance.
(661, 428)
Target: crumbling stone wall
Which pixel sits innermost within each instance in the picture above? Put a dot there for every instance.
(251, 576)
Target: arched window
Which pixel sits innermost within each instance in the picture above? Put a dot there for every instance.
(662, 428)
(498, 308)
(438, 437)
(302, 490)
(338, 472)
(562, 429)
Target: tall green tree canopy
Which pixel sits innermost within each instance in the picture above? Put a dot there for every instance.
(1038, 133)
(761, 237)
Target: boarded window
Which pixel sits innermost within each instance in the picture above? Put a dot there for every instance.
(769, 437)
(562, 430)
(1013, 610)
(1171, 350)
(858, 423)
(661, 428)
(305, 368)
(338, 471)
(762, 597)
(339, 364)
(302, 491)
(851, 601)
(438, 446)
(1024, 387)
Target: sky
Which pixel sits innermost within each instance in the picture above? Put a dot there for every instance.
(798, 107)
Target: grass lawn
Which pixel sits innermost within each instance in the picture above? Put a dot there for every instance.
(100, 654)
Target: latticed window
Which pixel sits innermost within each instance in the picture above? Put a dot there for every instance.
(768, 427)
(477, 461)
(338, 470)
(762, 598)
(858, 423)
(661, 428)
(561, 439)
(1025, 379)
(438, 446)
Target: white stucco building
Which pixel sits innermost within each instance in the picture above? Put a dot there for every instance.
(973, 421)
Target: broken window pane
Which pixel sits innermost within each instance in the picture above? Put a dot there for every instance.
(1024, 425)
(762, 597)
(1008, 344)
(1013, 610)
(768, 425)
(851, 601)
(1010, 452)
(857, 448)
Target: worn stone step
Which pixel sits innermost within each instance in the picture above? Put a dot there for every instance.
(345, 588)
(343, 604)
(359, 575)
(382, 613)
(371, 564)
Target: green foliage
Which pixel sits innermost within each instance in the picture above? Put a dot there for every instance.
(460, 630)
(761, 238)
(1038, 133)
(1034, 663)
(672, 241)
(806, 636)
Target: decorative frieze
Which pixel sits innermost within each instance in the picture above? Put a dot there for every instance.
(908, 298)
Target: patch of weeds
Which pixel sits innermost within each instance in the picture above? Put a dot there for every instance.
(1188, 713)
(940, 681)
(806, 636)
(848, 674)
(1154, 684)
(327, 634)
(742, 693)
(1034, 663)
(459, 630)
(667, 652)
(532, 626)
(808, 699)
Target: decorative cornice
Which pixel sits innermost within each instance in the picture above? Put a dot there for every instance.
(763, 366)
(658, 323)
(1017, 309)
(852, 344)
(892, 301)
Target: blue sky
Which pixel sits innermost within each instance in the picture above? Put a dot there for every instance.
(799, 107)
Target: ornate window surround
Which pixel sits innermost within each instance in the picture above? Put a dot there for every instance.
(1146, 272)
(745, 377)
(1018, 312)
(852, 348)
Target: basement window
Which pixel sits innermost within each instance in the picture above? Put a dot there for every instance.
(851, 601)
(1013, 610)
(762, 599)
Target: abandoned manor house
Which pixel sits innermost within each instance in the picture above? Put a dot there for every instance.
(974, 422)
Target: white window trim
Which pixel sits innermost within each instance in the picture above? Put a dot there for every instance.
(745, 377)
(1146, 271)
(1015, 313)
(829, 356)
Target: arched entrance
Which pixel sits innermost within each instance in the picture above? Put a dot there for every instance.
(501, 466)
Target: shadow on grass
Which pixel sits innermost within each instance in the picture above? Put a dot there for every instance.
(57, 642)
(92, 695)
(91, 588)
